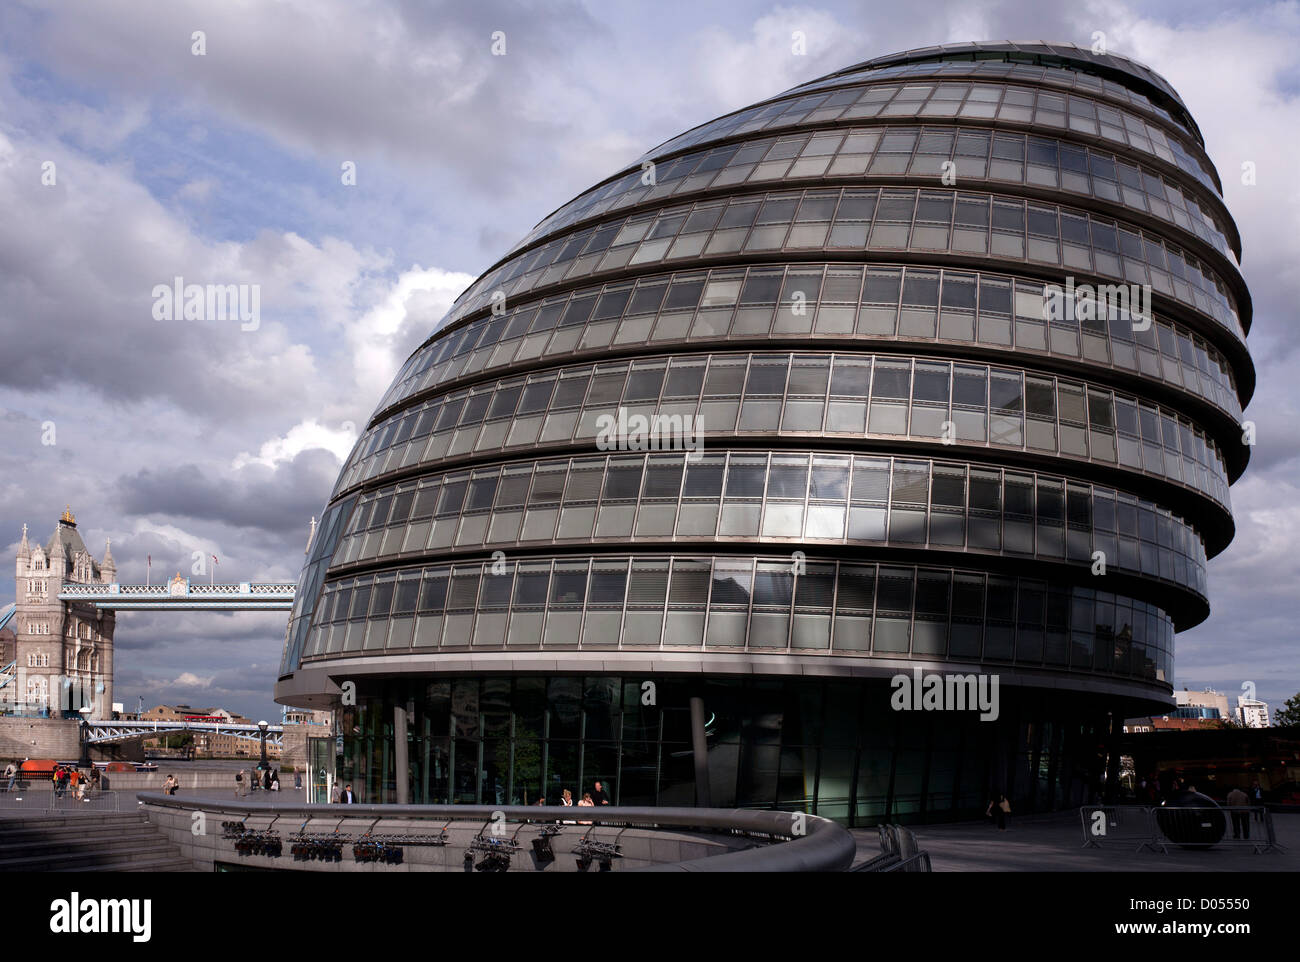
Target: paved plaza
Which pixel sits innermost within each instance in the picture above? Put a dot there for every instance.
(1054, 843)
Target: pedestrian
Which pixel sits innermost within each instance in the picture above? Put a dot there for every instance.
(566, 799)
(598, 797)
(58, 781)
(275, 782)
(999, 808)
(336, 794)
(1257, 799)
(74, 779)
(348, 797)
(239, 783)
(11, 772)
(586, 803)
(1237, 803)
(266, 779)
(297, 781)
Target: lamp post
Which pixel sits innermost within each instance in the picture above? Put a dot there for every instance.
(262, 727)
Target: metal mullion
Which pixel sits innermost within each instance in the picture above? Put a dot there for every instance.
(636, 512)
(929, 500)
(807, 506)
(875, 603)
(749, 618)
(663, 620)
(708, 606)
(911, 624)
(600, 495)
(586, 601)
(762, 502)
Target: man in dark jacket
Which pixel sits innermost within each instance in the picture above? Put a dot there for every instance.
(348, 797)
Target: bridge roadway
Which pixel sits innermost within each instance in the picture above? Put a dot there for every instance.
(181, 595)
(100, 732)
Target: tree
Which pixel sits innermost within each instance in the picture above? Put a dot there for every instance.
(1289, 714)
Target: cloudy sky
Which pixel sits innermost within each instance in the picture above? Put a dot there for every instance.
(175, 437)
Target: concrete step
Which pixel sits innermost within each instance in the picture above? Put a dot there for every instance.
(168, 864)
(67, 842)
(82, 821)
(106, 842)
(90, 859)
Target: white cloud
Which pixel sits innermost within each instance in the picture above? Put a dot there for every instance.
(303, 435)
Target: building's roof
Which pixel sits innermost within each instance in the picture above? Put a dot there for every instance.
(1122, 70)
(66, 534)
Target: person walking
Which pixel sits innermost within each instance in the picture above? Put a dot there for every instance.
(275, 782)
(297, 781)
(266, 779)
(999, 808)
(1257, 799)
(11, 772)
(1237, 799)
(348, 797)
(239, 783)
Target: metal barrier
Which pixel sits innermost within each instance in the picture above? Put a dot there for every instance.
(90, 802)
(1155, 828)
(40, 797)
(899, 852)
(1118, 824)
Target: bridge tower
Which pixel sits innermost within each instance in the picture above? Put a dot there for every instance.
(64, 649)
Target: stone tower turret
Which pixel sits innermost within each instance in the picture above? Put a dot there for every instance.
(108, 568)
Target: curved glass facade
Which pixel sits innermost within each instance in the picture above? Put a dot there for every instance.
(784, 413)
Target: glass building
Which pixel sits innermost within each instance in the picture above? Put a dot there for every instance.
(936, 362)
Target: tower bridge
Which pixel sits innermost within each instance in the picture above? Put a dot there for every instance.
(64, 615)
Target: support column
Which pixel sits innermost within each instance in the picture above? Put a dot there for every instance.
(401, 764)
(1112, 757)
(700, 749)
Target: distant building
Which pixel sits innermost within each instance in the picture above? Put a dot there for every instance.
(1208, 698)
(1252, 713)
(183, 712)
(1180, 719)
(307, 716)
(208, 744)
(63, 650)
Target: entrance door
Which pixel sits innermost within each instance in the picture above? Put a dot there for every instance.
(320, 770)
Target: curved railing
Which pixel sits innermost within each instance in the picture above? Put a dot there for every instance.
(784, 841)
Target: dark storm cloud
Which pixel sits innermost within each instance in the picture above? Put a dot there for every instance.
(276, 500)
